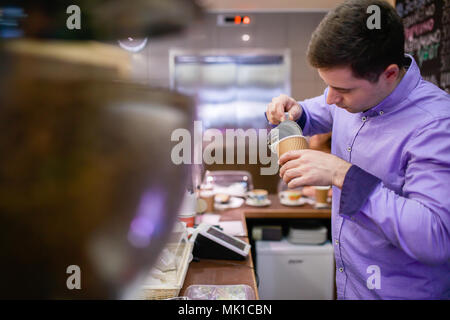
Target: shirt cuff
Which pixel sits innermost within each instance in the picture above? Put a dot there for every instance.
(358, 185)
(302, 120)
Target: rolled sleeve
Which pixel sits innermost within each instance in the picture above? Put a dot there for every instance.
(357, 187)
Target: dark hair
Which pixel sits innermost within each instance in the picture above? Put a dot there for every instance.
(344, 39)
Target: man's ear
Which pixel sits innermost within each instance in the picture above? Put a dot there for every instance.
(391, 72)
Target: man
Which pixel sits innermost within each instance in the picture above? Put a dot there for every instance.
(390, 161)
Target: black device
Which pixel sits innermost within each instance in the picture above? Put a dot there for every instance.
(212, 243)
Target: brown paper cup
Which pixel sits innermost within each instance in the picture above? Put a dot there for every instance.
(208, 198)
(322, 196)
(291, 143)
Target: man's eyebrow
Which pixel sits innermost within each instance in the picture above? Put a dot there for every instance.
(337, 88)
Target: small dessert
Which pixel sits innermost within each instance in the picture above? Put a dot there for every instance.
(222, 198)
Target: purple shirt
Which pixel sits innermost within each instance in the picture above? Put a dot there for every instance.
(391, 220)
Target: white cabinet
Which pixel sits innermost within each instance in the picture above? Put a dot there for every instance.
(294, 272)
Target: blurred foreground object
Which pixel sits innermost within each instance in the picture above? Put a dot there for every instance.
(86, 177)
(99, 19)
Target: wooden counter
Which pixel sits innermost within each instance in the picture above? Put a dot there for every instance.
(228, 272)
(277, 210)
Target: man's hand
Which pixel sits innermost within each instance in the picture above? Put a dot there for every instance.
(281, 104)
(312, 168)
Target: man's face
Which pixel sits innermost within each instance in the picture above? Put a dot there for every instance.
(350, 93)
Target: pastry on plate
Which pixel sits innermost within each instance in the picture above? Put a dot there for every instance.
(222, 198)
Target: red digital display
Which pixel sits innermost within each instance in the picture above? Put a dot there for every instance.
(235, 20)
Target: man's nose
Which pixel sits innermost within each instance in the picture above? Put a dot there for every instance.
(333, 96)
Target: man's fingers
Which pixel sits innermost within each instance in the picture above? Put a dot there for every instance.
(281, 104)
(291, 117)
(294, 110)
(275, 112)
(272, 114)
(289, 165)
(297, 182)
(295, 113)
(279, 110)
(290, 104)
(290, 155)
(292, 174)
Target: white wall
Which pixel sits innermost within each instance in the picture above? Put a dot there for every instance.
(268, 30)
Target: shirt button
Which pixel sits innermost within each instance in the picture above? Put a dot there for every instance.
(341, 269)
(349, 149)
(336, 241)
(364, 119)
(381, 112)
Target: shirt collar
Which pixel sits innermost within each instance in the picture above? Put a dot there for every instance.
(409, 81)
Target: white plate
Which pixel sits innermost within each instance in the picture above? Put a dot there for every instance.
(322, 205)
(300, 202)
(233, 203)
(254, 204)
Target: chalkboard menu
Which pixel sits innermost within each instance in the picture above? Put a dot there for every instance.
(427, 37)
